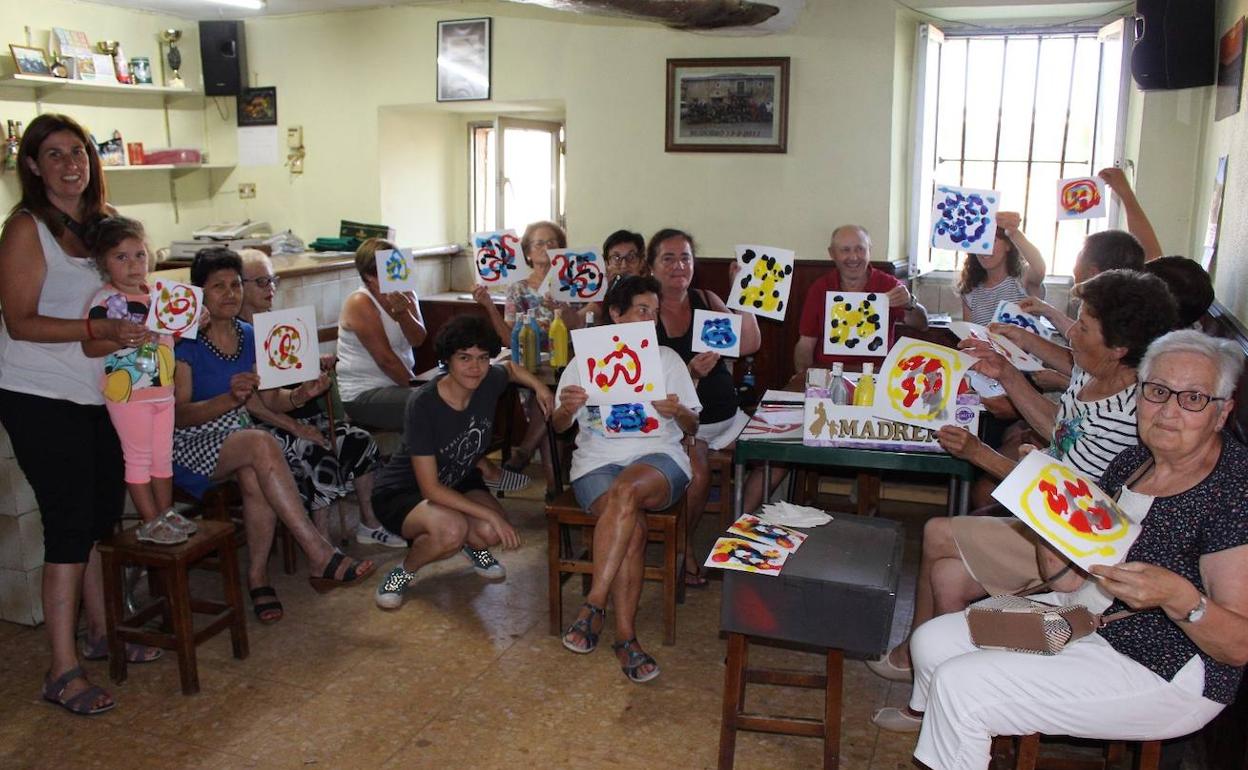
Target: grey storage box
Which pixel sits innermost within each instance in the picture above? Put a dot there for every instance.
(837, 591)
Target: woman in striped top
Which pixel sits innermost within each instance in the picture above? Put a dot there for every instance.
(1012, 271)
(966, 557)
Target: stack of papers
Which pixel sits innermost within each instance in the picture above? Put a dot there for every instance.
(789, 515)
(756, 546)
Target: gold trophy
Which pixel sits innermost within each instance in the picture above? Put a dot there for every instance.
(173, 57)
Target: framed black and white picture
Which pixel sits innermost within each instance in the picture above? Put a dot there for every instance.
(463, 60)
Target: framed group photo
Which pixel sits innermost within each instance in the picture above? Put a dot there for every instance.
(463, 60)
(727, 105)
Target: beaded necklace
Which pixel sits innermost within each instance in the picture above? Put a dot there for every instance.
(238, 350)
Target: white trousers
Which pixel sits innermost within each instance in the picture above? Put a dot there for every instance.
(1089, 690)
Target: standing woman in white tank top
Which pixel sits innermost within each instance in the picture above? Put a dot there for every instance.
(376, 334)
(50, 401)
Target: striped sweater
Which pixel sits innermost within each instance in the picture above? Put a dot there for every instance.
(983, 300)
(1089, 434)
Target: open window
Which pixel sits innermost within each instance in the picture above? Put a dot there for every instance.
(517, 173)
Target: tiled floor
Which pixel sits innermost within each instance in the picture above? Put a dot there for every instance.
(464, 675)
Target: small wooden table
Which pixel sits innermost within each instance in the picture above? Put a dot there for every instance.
(169, 565)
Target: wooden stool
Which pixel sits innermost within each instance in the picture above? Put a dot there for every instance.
(738, 673)
(176, 606)
(1027, 756)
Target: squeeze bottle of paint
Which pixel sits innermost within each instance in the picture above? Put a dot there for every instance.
(836, 385)
(528, 347)
(516, 327)
(558, 342)
(864, 394)
(539, 336)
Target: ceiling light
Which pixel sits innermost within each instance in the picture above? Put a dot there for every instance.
(253, 5)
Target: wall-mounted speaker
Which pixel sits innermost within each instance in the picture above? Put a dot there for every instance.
(224, 57)
(1175, 44)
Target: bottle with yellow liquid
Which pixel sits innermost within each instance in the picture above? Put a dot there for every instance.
(528, 347)
(558, 342)
(864, 393)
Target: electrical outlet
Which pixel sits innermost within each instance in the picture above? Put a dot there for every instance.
(246, 190)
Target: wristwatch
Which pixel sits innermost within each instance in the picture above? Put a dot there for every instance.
(1198, 611)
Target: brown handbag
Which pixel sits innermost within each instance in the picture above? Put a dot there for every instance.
(1015, 623)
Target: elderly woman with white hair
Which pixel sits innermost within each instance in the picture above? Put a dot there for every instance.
(1173, 665)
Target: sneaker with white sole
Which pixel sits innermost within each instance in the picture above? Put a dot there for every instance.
(484, 563)
(378, 536)
(389, 595)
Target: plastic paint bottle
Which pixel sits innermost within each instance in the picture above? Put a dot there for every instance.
(558, 343)
(836, 385)
(864, 394)
(516, 328)
(528, 347)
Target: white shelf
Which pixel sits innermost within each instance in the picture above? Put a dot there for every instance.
(169, 167)
(47, 82)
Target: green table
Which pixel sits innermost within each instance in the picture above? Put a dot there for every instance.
(960, 472)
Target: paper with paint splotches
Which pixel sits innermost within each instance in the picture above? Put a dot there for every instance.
(855, 323)
(717, 333)
(1012, 313)
(175, 308)
(497, 258)
(576, 276)
(964, 219)
(763, 281)
(770, 535)
(918, 383)
(620, 363)
(1081, 197)
(1018, 358)
(746, 555)
(1068, 510)
(287, 351)
(396, 270)
(635, 419)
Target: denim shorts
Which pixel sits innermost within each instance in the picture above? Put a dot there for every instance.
(592, 485)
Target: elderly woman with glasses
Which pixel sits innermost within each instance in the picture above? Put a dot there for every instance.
(1170, 667)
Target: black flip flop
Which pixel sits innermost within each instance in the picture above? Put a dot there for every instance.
(260, 608)
(327, 581)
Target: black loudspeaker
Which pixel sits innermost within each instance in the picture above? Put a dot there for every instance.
(224, 56)
(1175, 44)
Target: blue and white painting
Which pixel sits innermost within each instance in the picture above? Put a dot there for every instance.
(964, 219)
(717, 333)
(634, 420)
(1010, 313)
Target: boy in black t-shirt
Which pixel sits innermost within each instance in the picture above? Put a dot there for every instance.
(431, 491)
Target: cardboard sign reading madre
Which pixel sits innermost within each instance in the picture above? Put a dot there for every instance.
(497, 258)
(287, 351)
(620, 363)
(396, 270)
(764, 280)
(1068, 510)
(828, 424)
(175, 308)
(716, 333)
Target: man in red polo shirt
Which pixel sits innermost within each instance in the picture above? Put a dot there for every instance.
(851, 256)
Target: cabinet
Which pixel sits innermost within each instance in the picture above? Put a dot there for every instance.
(44, 89)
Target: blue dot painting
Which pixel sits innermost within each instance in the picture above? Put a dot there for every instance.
(964, 219)
(716, 333)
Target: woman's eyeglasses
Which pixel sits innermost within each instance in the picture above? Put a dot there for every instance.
(263, 282)
(1190, 400)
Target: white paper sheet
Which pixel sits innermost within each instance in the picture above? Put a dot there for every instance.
(498, 259)
(576, 276)
(763, 282)
(287, 351)
(259, 146)
(1081, 197)
(1018, 358)
(918, 383)
(175, 308)
(620, 363)
(964, 219)
(396, 270)
(716, 333)
(855, 323)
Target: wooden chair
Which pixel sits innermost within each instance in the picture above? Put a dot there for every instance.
(563, 513)
(720, 467)
(1027, 755)
(221, 502)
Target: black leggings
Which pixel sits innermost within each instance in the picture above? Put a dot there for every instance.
(72, 460)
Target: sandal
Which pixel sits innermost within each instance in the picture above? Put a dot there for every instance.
(135, 653)
(180, 522)
(82, 704)
(695, 579)
(585, 627)
(160, 531)
(636, 660)
(353, 574)
(268, 612)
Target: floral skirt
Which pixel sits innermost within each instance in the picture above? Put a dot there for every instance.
(324, 475)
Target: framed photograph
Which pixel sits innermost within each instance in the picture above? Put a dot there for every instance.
(30, 61)
(463, 60)
(258, 106)
(728, 105)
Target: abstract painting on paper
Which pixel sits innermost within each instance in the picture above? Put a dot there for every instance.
(1068, 510)
(764, 279)
(1010, 313)
(856, 323)
(632, 420)
(396, 271)
(920, 383)
(174, 308)
(286, 347)
(746, 555)
(770, 535)
(1018, 358)
(1081, 197)
(964, 219)
(576, 277)
(717, 333)
(620, 363)
(497, 258)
